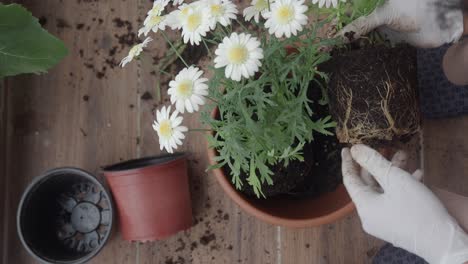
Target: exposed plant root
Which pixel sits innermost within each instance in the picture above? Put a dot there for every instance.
(374, 107)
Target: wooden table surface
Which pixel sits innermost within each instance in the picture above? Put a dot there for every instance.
(87, 112)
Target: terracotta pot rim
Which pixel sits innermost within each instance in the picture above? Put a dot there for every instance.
(137, 165)
(228, 188)
(272, 219)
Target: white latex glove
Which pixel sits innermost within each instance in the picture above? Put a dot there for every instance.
(400, 160)
(421, 23)
(406, 214)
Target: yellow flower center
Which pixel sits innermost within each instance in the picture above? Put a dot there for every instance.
(261, 5)
(184, 11)
(184, 89)
(193, 21)
(165, 129)
(155, 20)
(216, 10)
(135, 50)
(285, 14)
(237, 54)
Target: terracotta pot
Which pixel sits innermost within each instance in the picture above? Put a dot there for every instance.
(284, 211)
(152, 196)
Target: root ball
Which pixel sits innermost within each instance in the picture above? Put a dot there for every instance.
(373, 95)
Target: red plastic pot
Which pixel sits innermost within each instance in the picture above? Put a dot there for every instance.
(152, 196)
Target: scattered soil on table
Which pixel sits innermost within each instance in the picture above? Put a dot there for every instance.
(62, 23)
(373, 94)
(317, 174)
(146, 96)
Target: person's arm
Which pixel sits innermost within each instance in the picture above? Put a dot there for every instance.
(403, 212)
(456, 205)
(455, 63)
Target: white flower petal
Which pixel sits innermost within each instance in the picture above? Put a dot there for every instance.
(237, 51)
(282, 16)
(168, 128)
(188, 85)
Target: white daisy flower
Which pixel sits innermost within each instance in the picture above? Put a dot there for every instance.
(169, 130)
(196, 24)
(176, 17)
(221, 12)
(188, 90)
(153, 23)
(135, 51)
(241, 54)
(286, 17)
(257, 8)
(327, 3)
(158, 7)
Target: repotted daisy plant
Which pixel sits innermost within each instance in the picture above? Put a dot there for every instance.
(270, 135)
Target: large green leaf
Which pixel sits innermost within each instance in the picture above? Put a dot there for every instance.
(25, 47)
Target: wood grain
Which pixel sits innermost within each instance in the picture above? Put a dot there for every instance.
(446, 154)
(77, 114)
(3, 178)
(88, 113)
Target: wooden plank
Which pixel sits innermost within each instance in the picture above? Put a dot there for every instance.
(341, 242)
(446, 154)
(3, 178)
(77, 114)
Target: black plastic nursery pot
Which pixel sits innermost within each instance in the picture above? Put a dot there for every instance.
(65, 216)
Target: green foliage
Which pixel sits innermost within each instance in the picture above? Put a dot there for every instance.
(25, 47)
(365, 7)
(347, 12)
(267, 120)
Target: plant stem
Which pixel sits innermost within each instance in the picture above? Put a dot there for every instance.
(206, 46)
(174, 49)
(165, 72)
(211, 99)
(242, 25)
(223, 31)
(199, 130)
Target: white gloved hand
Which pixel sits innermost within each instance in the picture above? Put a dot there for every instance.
(400, 160)
(406, 214)
(421, 23)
